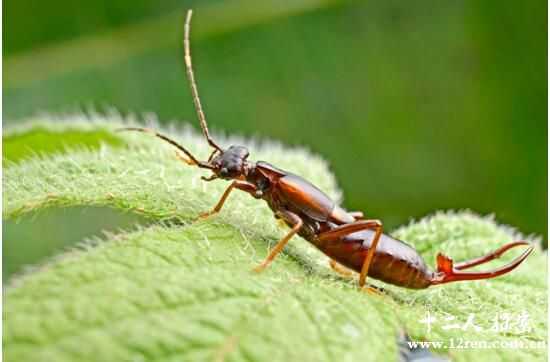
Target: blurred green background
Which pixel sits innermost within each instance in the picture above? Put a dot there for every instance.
(417, 106)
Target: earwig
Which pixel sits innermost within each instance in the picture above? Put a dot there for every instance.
(348, 238)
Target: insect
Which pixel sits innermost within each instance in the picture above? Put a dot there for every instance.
(347, 237)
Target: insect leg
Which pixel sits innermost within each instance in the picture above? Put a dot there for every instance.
(293, 219)
(241, 185)
(342, 270)
(370, 254)
(346, 229)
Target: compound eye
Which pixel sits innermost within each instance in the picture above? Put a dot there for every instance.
(224, 172)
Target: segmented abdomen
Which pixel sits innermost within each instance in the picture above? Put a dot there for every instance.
(394, 261)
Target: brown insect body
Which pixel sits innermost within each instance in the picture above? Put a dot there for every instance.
(284, 190)
(394, 261)
(346, 237)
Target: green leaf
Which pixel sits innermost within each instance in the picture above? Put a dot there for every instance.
(38, 137)
(184, 290)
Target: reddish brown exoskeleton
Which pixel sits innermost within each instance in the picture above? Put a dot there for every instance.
(346, 237)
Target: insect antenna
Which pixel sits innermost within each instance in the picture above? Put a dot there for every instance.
(193, 84)
(172, 142)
